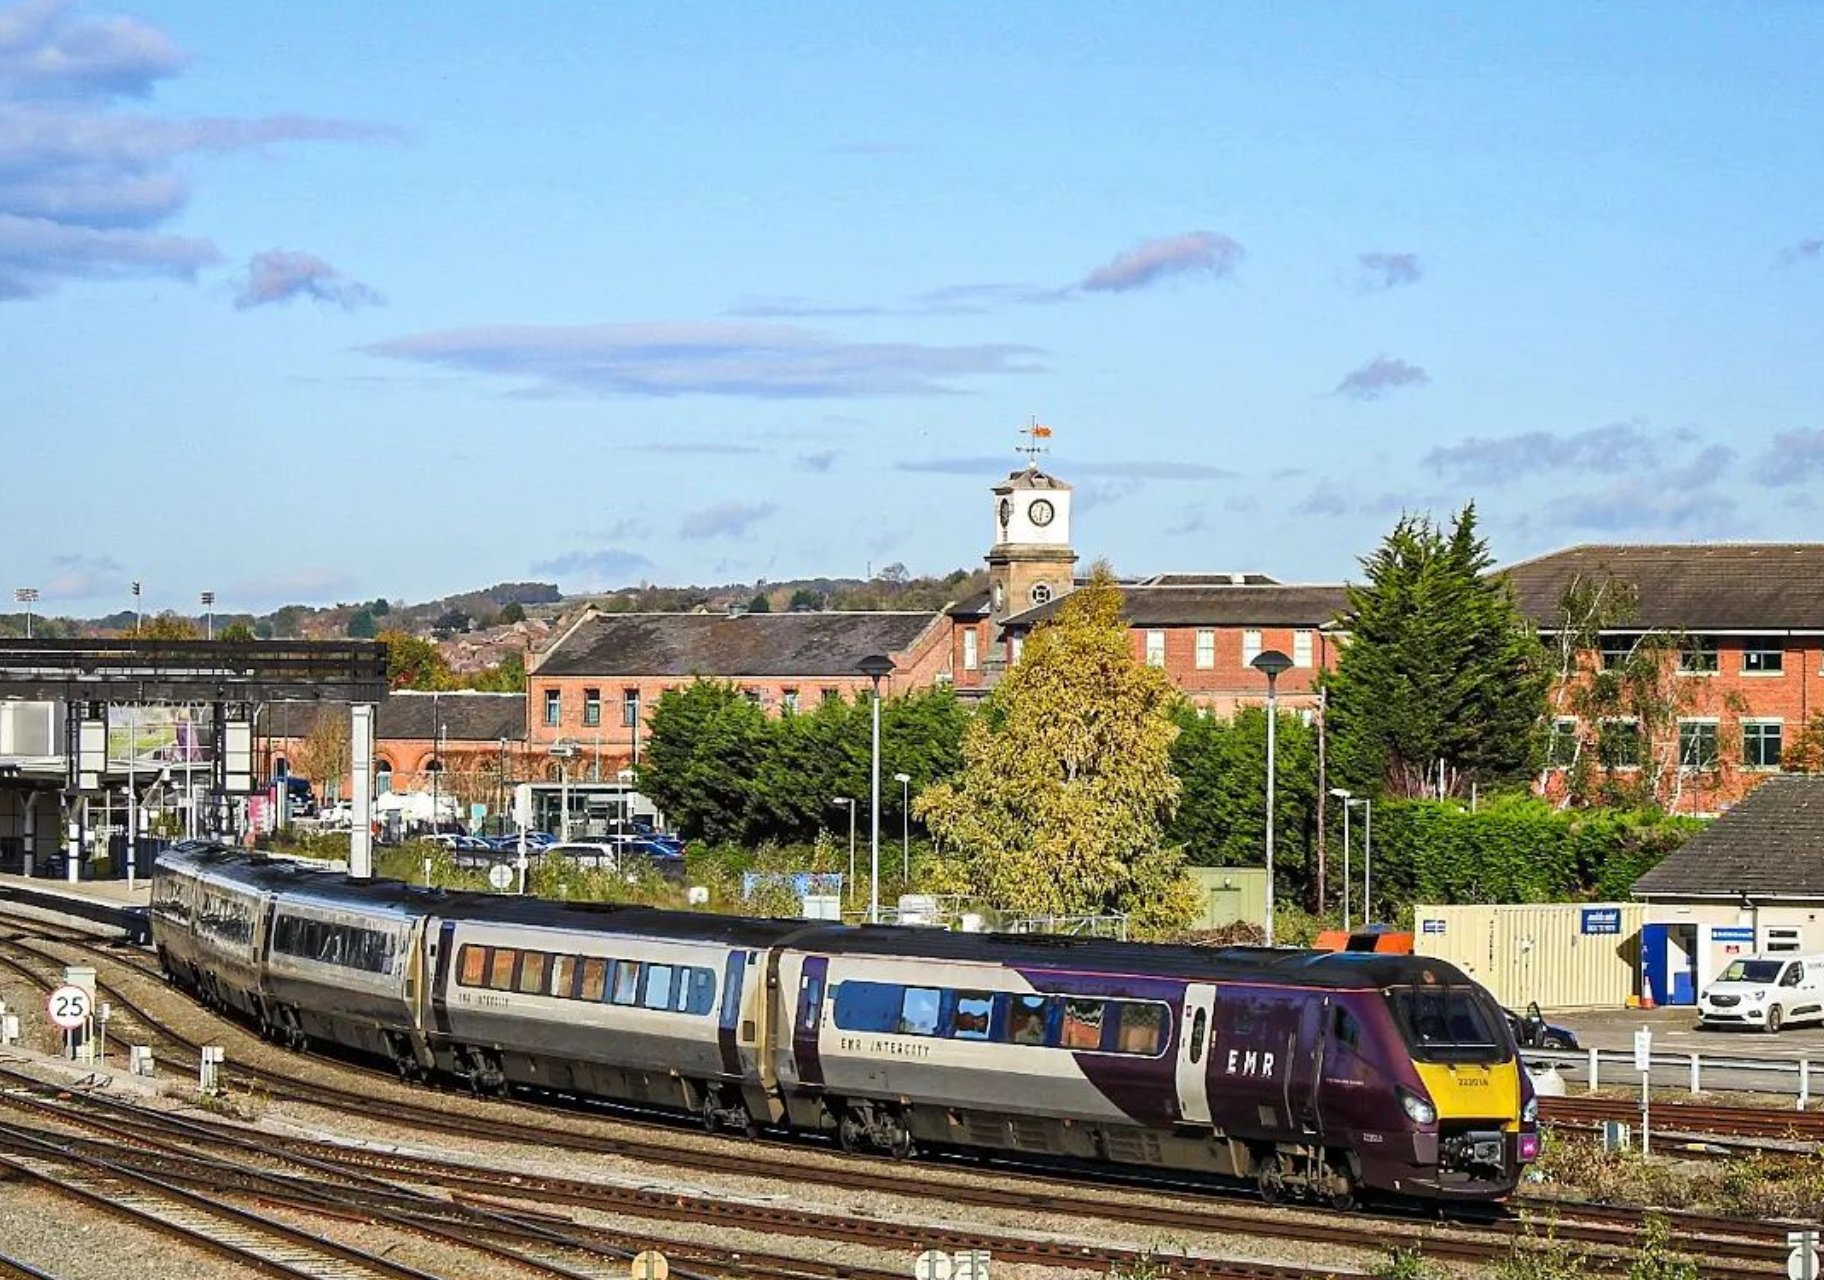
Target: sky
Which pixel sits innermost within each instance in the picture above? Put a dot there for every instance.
(333, 301)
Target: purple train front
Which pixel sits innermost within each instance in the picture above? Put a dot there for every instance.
(1312, 1072)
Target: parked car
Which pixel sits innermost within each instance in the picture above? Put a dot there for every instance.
(1532, 1031)
(1766, 992)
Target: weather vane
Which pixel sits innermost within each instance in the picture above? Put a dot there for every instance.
(1034, 431)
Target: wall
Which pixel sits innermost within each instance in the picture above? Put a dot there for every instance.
(1538, 952)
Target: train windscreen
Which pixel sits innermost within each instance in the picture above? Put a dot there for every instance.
(1449, 1024)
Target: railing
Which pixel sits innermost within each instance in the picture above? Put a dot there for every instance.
(1767, 1075)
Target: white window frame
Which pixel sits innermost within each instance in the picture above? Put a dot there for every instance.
(1206, 648)
(1569, 725)
(1019, 647)
(1751, 646)
(1155, 648)
(1304, 647)
(1640, 745)
(971, 658)
(1716, 760)
(1777, 722)
(1253, 643)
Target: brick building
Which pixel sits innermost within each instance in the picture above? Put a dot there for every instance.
(1739, 630)
(598, 682)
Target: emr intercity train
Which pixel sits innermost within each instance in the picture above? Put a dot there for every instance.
(1314, 1073)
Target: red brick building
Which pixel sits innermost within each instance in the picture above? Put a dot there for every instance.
(598, 682)
(1738, 634)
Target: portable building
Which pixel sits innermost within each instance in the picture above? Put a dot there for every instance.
(1564, 955)
(1226, 895)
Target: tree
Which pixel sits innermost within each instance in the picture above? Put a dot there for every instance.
(1066, 787)
(514, 612)
(1442, 682)
(323, 753)
(760, 604)
(507, 676)
(380, 607)
(804, 600)
(451, 622)
(236, 630)
(1221, 820)
(169, 626)
(362, 626)
(705, 745)
(413, 662)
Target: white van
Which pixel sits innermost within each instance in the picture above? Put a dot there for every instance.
(1766, 992)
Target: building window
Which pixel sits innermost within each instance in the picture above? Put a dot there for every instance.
(1618, 744)
(1697, 744)
(1019, 647)
(1561, 748)
(1301, 648)
(1697, 655)
(788, 699)
(1617, 649)
(1761, 744)
(1000, 597)
(1780, 940)
(1155, 648)
(592, 707)
(1206, 648)
(630, 708)
(1041, 594)
(970, 658)
(829, 695)
(554, 706)
(1758, 660)
(754, 697)
(1250, 646)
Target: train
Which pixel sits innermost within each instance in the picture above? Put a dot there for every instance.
(1318, 1075)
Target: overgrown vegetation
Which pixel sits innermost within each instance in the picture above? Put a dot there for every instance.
(1761, 1185)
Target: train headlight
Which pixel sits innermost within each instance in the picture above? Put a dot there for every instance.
(1529, 1114)
(1418, 1110)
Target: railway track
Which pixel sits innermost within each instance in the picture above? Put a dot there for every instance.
(1730, 1242)
(14, 1269)
(1690, 1118)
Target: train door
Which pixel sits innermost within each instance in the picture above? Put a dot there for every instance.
(1303, 1109)
(1194, 1053)
(808, 1020)
(728, 1019)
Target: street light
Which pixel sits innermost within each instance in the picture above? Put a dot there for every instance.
(905, 827)
(26, 596)
(849, 800)
(137, 614)
(1367, 860)
(209, 610)
(876, 667)
(1344, 795)
(563, 750)
(1270, 664)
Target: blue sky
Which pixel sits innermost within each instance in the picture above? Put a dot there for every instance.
(341, 300)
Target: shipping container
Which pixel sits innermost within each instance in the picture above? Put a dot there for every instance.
(1564, 955)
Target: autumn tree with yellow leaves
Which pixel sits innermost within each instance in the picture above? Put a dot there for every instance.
(1066, 787)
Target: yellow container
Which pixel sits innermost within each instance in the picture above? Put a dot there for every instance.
(1564, 955)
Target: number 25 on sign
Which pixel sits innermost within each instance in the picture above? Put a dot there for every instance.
(69, 1007)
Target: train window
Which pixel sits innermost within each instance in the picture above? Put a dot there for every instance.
(1082, 1024)
(1026, 1020)
(1448, 1024)
(500, 969)
(1348, 1030)
(658, 986)
(595, 979)
(701, 997)
(1141, 1028)
(1199, 1029)
(973, 1010)
(533, 966)
(563, 977)
(918, 1011)
(626, 981)
(868, 1006)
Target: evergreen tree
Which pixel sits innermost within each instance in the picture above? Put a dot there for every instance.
(1066, 785)
(1442, 682)
(1222, 809)
(705, 750)
(362, 626)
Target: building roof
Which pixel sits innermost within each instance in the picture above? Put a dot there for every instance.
(1770, 844)
(1747, 586)
(717, 644)
(975, 606)
(1030, 478)
(1211, 580)
(466, 716)
(1310, 605)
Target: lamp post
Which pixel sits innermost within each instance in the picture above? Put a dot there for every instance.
(1367, 860)
(876, 667)
(26, 596)
(1343, 795)
(850, 883)
(1270, 664)
(137, 613)
(209, 613)
(905, 828)
(563, 750)
(436, 779)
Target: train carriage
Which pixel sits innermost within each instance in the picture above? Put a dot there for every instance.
(208, 930)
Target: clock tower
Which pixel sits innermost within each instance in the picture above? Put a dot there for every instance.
(1031, 562)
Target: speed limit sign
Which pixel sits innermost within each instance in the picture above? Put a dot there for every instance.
(69, 1007)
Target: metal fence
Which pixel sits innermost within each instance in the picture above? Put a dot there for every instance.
(1695, 1071)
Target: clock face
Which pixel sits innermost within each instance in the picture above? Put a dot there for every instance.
(1041, 512)
(1006, 512)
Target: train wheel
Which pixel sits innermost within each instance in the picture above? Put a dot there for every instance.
(850, 1134)
(1339, 1188)
(1270, 1178)
(901, 1146)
